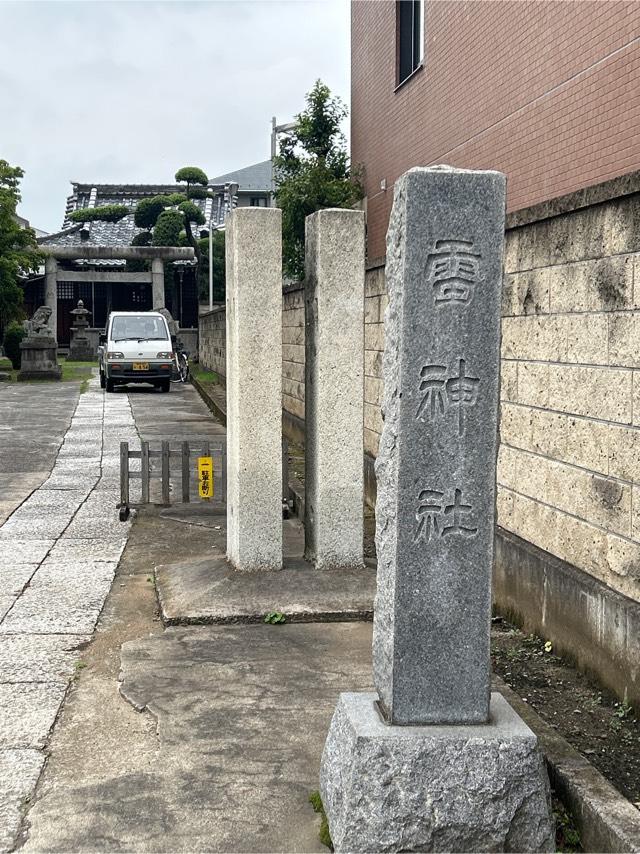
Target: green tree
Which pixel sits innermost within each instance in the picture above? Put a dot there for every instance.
(312, 171)
(167, 221)
(19, 253)
(147, 212)
(168, 218)
(219, 270)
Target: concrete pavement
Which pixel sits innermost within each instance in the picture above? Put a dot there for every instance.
(227, 748)
(217, 746)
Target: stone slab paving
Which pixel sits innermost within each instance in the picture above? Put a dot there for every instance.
(19, 772)
(58, 554)
(59, 549)
(33, 422)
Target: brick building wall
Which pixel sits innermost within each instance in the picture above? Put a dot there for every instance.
(548, 93)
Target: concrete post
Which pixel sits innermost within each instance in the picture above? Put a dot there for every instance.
(51, 292)
(254, 388)
(157, 283)
(334, 370)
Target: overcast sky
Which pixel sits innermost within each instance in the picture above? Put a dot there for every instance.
(131, 91)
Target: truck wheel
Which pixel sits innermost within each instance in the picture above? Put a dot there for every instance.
(102, 380)
(109, 385)
(165, 385)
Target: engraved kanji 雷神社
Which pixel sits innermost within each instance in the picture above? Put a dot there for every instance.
(453, 268)
(437, 517)
(440, 392)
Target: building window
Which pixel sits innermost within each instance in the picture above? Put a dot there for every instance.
(65, 290)
(258, 201)
(410, 36)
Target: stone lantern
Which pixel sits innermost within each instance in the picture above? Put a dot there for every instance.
(81, 349)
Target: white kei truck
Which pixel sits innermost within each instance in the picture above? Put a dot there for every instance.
(137, 348)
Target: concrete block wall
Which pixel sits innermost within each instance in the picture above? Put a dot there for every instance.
(375, 303)
(293, 357)
(569, 460)
(293, 362)
(212, 350)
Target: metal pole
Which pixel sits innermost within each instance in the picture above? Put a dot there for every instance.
(185, 472)
(211, 260)
(166, 475)
(144, 466)
(124, 474)
(273, 154)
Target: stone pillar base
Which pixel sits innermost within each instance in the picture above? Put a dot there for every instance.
(434, 788)
(82, 352)
(39, 360)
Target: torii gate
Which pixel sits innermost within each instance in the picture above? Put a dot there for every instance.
(157, 254)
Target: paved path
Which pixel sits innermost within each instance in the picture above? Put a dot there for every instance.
(60, 546)
(230, 752)
(58, 555)
(33, 421)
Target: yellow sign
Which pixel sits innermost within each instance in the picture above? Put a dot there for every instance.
(205, 477)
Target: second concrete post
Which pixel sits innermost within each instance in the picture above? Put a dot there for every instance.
(334, 370)
(254, 388)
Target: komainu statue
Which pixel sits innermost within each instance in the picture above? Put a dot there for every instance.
(38, 326)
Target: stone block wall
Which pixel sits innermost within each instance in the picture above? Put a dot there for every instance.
(375, 304)
(212, 351)
(293, 363)
(293, 358)
(569, 460)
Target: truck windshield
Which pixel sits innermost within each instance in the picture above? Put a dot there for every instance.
(138, 329)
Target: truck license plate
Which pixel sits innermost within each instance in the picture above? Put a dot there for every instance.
(141, 366)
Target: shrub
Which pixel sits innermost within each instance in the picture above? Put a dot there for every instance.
(168, 227)
(13, 335)
(192, 212)
(104, 213)
(142, 238)
(197, 192)
(147, 211)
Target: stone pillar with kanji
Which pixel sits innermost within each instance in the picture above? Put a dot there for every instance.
(433, 733)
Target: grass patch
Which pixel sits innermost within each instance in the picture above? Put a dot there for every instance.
(71, 372)
(76, 371)
(316, 802)
(203, 375)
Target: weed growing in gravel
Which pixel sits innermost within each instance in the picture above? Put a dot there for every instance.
(316, 802)
(78, 667)
(567, 836)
